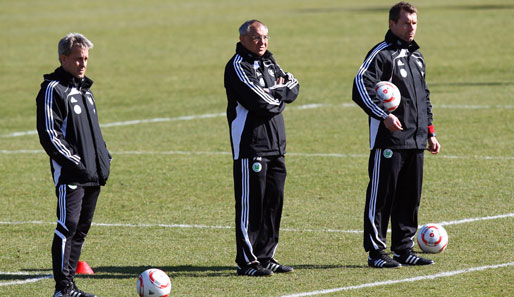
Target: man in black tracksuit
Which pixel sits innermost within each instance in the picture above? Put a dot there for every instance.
(68, 128)
(257, 91)
(397, 140)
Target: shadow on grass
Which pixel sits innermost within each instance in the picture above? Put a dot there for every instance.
(124, 272)
(193, 271)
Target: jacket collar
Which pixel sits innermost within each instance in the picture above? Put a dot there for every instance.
(68, 79)
(245, 53)
(398, 43)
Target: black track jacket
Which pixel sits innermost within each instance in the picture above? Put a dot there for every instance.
(68, 128)
(402, 64)
(255, 116)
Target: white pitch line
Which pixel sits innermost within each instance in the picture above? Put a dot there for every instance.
(22, 273)
(405, 280)
(179, 118)
(222, 114)
(171, 153)
(196, 226)
(502, 216)
(313, 155)
(449, 106)
(21, 282)
(444, 274)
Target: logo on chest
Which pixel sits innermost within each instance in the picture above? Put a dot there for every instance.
(77, 109)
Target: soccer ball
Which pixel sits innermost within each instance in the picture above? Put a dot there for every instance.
(153, 283)
(389, 94)
(432, 238)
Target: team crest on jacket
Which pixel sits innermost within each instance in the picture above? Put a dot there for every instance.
(77, 109)
(388, 153)
(257, 167)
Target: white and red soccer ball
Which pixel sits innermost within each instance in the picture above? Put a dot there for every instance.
(432, 238)
(389, 94)
(153, 283)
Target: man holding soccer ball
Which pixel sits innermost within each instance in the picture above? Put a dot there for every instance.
(397, 140)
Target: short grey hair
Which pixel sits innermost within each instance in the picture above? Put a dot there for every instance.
(70, 40)
(245, 27)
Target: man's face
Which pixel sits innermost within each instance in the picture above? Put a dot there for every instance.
(406, 26)
(76, 62)
(256, 41)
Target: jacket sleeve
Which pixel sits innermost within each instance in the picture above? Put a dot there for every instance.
(364, 93)
(430, 117)
(51, 113)
(241, 80)
(288, 91)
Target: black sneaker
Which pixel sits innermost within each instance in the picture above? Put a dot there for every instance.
(409, 258)
(75, 292)
(379, 259)
(253, 269)
(274, 266)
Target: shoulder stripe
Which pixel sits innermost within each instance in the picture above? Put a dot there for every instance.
(49, 121)
(360, 81)
(244, 78)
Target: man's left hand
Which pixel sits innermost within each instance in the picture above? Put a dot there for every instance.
(433, 145)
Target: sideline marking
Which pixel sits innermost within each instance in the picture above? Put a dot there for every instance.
(21, 282)
(412, 279)
(320, 155)
(444, 223)
(222, 114)
(326, 291)
(179, 118)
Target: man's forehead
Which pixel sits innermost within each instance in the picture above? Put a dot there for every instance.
(259, 28)
(409, 15)
(79, 49)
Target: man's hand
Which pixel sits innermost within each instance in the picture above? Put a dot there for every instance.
(392, 123)
(433, 145)
(280, 81)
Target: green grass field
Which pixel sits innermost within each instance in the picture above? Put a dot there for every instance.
(169, 201)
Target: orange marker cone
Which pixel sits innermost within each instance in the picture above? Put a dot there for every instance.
(84, 268)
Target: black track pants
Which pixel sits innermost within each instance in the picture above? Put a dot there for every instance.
(394, 192)
(259, 192)
(75, 208)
